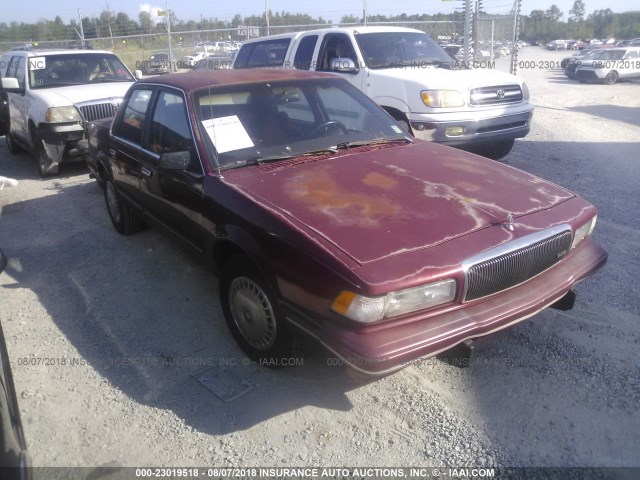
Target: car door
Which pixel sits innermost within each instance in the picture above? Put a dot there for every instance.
(340, 45)
(129, 130)
(20, 103)
(173, 197)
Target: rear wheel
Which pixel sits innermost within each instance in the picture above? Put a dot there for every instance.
(124, 218)
(13, 147)
(46, 167)
(252, 313)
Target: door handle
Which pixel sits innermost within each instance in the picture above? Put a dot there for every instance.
(146, 172)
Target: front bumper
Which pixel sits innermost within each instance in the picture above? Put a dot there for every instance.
(64, 141)
(476, 130)
(391, 347)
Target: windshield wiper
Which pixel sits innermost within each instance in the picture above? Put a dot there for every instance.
(274, 158)
(378, 141)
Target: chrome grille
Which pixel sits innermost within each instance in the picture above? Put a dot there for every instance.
(509, 269)
(496, 95)
(97, 111)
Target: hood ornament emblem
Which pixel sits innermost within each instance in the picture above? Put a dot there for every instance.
(508, 224)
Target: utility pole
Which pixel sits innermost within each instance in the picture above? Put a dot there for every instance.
(467, 31)
(364, 12)
(266, 14)
(167, 25)
(81, 32)
(516, 33)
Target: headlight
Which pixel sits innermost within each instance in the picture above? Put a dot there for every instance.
(371, 309)
(584, 231)
(525, 91)
(63, 115)
(442, 98)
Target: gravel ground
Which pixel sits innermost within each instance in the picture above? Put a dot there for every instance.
(114, 339)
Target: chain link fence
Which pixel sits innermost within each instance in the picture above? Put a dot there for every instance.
(492, 40)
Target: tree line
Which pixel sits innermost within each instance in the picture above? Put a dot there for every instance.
(539, 26)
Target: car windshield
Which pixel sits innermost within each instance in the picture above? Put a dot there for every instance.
(400, 49)
(258, 122)
(76, 69)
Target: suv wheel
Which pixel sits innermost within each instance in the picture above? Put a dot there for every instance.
(611, 78)
(46, 167)
(13, 147)
(124, 218)
(252, 313)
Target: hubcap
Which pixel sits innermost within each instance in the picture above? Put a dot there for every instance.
(252, 313)
(112, 202)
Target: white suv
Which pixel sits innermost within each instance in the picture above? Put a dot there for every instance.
(48, 97)
(609, 66)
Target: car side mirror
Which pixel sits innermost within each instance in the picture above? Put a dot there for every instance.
(10, 84)
(138, 74)
(174, 161)
(343, 65)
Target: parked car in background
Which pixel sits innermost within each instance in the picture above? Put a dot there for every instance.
(610, 65)
(322, 215)
(159, 63)
(190, 61)
(49, 96)
(571, 64)
(432, 96)
(216, 62)
(557, 45)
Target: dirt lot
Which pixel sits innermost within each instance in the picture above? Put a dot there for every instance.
(115, 339)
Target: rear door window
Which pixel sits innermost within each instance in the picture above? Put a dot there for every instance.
(270, 53)
(304, 52)
(131, 123)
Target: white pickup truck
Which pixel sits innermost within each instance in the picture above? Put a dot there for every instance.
(413, 79)
(48, 97)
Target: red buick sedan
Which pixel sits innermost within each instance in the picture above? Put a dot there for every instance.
(320, 214)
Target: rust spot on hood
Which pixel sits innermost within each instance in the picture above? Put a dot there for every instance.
(323, 195)
(375, 179)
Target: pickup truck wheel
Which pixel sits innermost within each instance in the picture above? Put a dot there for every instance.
(611, 78)
(124, 218)
(13, 147)
(252, 313)
(46, 167)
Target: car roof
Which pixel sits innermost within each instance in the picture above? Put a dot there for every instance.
(353, 30)
(45, 52)
(196, 80)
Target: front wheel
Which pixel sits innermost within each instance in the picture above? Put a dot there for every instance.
(252, 313)
(46, 166)
(13, 147)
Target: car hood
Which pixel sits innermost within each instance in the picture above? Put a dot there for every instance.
(443, 78)
(62, 96)
(380, 203)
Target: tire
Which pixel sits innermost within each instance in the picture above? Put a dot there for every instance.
(125, 220)
(45, 166)
(497, 150)
(253, 314)
(611, 78)
(13, 147)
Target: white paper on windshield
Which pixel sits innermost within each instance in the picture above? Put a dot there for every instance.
(37, 63)
(227, 133)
